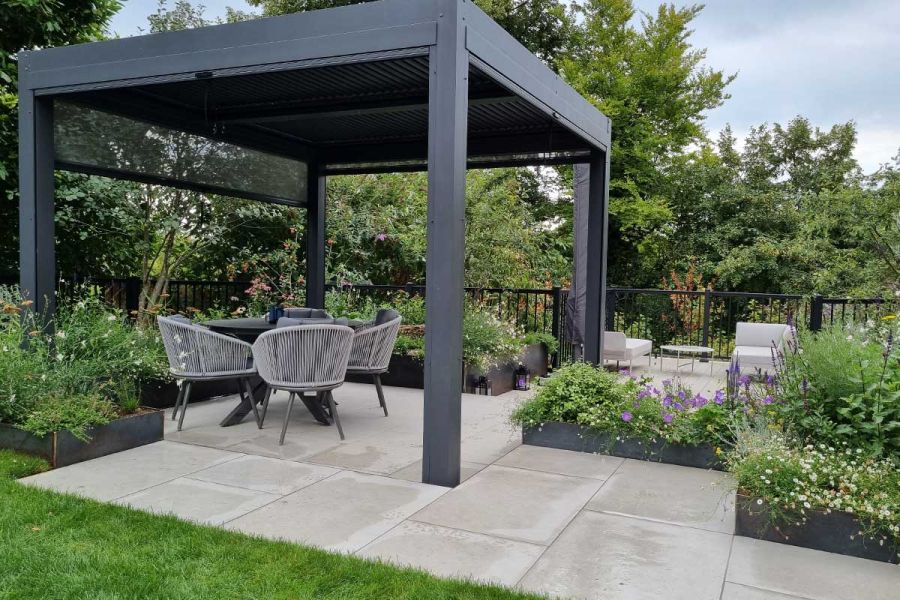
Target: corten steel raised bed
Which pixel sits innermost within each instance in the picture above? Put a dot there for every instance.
(162, 393)
(62, 448)
(408, 371)
(568, 436)
(836, 532)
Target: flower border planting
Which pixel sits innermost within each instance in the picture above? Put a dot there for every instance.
(568, 436)
(836, 532)
(62, 448)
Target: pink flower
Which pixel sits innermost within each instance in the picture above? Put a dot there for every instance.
(626, 416)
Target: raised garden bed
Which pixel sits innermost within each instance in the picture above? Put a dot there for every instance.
(836, 532)
(62, 448)
(569, 436)
(408, 371)
(162, 393)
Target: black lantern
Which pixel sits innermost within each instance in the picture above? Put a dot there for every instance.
(483, 386)
(523, 378)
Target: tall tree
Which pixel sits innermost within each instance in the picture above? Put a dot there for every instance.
(26, 25)
(653, 84)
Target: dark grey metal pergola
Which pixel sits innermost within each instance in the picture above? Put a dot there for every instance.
(396, 85)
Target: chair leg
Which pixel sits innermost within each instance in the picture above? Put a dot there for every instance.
(178, 400)
(251, 400)
(265, 408)
(184, 403)
(287, 418)
(380, 391)
(334, 413)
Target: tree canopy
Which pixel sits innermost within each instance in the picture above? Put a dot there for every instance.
(786, 210)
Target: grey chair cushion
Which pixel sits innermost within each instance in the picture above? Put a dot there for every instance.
(289, 322)
(181, 319)
(297, 313)
(342, 321)
(318, 313)
(292, 322)
(385, 315)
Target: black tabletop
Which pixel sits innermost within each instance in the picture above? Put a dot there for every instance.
(248, 329)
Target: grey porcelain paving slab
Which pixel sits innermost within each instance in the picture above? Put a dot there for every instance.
(485, 447)
(612, 557)
(297, 447)
(200, 501)
(811, 573)
(263, 474)
(413, 472)
(214, 436)
(669, 493)
(123, 473)
(342, 513)
(453, 553)
(562, 462)
(734, 591)
(380, 456)
(512, 503)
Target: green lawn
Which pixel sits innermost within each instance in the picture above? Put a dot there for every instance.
(60, 546)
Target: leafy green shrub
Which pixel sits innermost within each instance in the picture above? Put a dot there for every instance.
(572, 392)
(14, 465)
(794, 479)
(842, 386)
(87, 371)
(542, 337)
(69, 412)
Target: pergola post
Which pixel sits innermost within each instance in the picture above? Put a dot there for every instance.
(315, 237)
(445, 257)
(595, 288)
(37, 252)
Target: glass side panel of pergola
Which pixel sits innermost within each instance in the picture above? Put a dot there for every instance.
(91, 140)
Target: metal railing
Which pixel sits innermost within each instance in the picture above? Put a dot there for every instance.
(705, 317)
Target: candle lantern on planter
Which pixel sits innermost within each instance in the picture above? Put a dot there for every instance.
(483, 387)
(522, 378)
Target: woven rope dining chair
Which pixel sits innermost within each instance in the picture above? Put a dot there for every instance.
(302, 360)
(197, 354)
(373, 345)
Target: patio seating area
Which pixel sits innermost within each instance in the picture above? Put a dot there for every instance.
(562, 523)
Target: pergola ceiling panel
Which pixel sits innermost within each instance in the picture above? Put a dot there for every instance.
(342, 110)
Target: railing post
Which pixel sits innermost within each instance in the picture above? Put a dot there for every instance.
(815, 312)
(132, 295)
(707, 301)
(611, 300)
(555, 329)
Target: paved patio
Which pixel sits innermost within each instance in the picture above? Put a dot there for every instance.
(561, 523)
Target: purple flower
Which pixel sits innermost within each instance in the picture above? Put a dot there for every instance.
(667, 401)
(768, 400)
(381, 237)
(624, 372)
(770, 380)
(700, 400)
(681, 394)
(744, 380)
(626, 416)
(719, 397)
(678, 406)
(667, 382)
(668, 417)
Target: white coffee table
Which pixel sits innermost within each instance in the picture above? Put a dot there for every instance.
(692, 351)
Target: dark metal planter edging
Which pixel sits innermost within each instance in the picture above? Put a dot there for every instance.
(62, 448)
(836, 532)
(408, 371)
(569, 436)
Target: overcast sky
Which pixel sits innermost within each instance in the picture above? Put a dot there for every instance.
(830, 60)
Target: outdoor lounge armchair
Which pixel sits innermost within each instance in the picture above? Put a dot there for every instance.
(373, 344)
(302, 360)
(618, 347)
(197, 354)
(755, 344)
